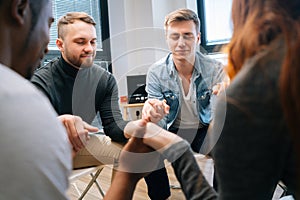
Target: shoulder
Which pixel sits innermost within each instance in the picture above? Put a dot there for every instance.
(100, 71)
(28, 118)
(53, 63)
(208, 63)
(45, 71)
(18, 86)
(23, 97)
(259, 75)
(105, 77)
(161, 64)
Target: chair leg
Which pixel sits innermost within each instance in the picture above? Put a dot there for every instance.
(93, 180)
(98, 186)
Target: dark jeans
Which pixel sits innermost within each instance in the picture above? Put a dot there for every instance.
(194, 136)
(158, 182)
(158, 185)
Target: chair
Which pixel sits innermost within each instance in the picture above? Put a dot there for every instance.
(94, 173)
(284, 189)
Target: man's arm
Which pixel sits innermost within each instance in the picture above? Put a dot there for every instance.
(125, 179)
(155, 110)
(192, 181)
(77, 130)
(178, 152)
(108, 106)
(154, 92)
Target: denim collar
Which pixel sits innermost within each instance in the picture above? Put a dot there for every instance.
(172, 70)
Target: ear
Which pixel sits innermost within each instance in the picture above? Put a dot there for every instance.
(199, 38)
(60, 44)
(19, 10)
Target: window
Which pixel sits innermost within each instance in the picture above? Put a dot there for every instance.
(99, 11)
(215, 17)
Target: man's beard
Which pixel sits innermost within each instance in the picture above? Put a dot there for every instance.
(88, 62)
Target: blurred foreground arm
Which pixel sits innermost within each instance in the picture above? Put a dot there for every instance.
(172, 147)
(221, 86)
(127, 172)
(178, 152)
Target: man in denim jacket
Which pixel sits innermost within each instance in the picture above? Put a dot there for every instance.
(186, 80)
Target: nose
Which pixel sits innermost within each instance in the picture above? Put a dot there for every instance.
(181, 41)
(88, 47)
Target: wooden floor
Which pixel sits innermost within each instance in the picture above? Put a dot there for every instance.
(141, 189)
(205, 164)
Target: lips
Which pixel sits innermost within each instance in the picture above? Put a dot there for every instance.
(87, 56)
(180, 52)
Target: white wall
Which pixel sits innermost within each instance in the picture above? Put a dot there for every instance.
(137, 35)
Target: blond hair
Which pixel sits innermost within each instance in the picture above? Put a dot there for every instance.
(182, 15)
(70, 18)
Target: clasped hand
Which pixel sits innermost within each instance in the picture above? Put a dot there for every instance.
(154, 110)
(77, 130)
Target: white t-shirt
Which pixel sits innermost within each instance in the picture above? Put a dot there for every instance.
(187, 118)
(34, 149)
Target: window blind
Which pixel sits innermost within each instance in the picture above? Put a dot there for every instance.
(61, 7)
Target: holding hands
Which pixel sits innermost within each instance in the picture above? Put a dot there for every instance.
(154, 110)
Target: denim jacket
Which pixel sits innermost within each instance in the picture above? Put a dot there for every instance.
(163, 83)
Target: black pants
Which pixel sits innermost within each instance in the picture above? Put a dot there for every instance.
(158, 185)
(194, 136)
(158, 181)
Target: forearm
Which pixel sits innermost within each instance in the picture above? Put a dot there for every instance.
(112, 121)
(122, 187)
(193, 182)
(178, 152)
(107, 104)
(162, 123)
(128, 171)
(115, 130)
(158, 138)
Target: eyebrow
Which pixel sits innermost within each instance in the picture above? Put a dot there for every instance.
(81, 38)
(187, 33)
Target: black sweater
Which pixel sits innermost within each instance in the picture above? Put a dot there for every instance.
(82, 92)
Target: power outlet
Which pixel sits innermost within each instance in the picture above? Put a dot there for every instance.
(135, 113)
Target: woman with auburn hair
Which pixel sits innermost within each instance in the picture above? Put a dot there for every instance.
(254, 33)
(264, 67)
(256, 147)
